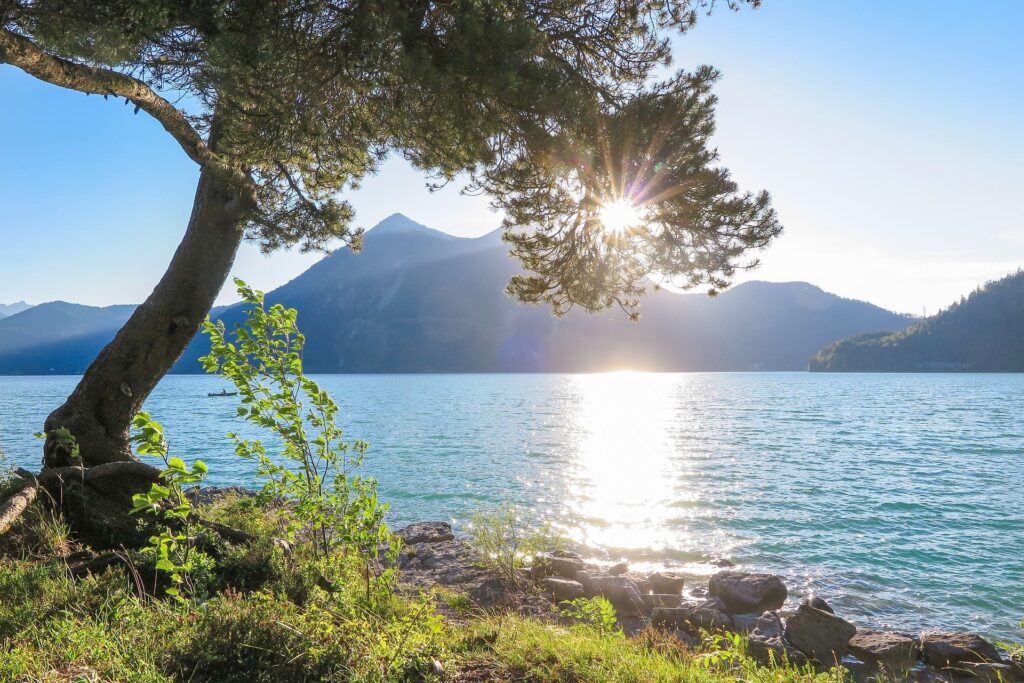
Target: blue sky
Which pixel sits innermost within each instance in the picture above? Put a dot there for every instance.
(890, 134)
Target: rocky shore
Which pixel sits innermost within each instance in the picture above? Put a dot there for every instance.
(751, 604)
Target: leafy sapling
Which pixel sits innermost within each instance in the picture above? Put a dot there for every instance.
(594, 613)
(167, 501)
(312, 465)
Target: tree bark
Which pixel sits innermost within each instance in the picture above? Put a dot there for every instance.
(98, 413)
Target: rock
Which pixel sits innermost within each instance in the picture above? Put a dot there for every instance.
(950, 649)
(859, 670)
(642, 584)
(767, 645)
(562, 589)
(709, 619)
(744, 623)
(983, 671)
(723, 563)
(695, 617)
(713, 603)
(666, 582)
(748, 592)
(819, 634)
(585, 577)
(661, 599)
(618, 569)
(562, 563)
(818, 603)
(894, 652)
(1016, 662)
(426, 532)
(622, 593)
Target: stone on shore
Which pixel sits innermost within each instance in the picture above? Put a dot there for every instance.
(984, 671)
(642, 584)
(666, 582)
(748, 592)
(562, 589)
(767, 643)
(563, 563)
(654, 600)
(694, 617)
(426, 532)
(622, 593)
(745, 623)
(619, 569)
(894, 652)
(818, 603)
(819, 634)
(585, 577)
(950, 649)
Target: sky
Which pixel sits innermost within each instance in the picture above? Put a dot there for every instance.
(890, 135)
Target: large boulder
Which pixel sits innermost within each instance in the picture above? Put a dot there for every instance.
(767, 644)
(426, 532)
(819, 634)
(748, 592)
(951, 649)
(893, 652)
(666, 582)
(562, 589)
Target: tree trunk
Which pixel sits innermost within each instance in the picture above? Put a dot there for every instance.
(98, 413)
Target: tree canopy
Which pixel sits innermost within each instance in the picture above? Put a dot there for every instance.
(549, 106)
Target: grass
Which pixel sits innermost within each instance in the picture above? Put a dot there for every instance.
(270, 616)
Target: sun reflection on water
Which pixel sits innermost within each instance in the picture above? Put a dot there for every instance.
(627, 482)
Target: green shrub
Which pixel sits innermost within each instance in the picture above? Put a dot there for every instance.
(506, 537)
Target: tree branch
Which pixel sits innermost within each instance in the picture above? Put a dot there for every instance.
(21, 52)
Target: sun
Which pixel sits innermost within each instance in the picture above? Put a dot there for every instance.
(618, 216)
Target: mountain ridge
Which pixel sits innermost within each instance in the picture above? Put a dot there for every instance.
(416, 302)
(420, 300)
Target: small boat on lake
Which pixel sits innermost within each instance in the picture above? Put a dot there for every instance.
(224, 392)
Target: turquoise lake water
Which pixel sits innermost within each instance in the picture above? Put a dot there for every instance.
(898, 498)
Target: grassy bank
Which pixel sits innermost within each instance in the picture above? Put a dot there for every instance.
(263, 614)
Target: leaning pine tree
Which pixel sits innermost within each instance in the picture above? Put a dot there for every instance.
(551, 107)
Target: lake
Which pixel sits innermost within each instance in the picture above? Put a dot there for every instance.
(898, 498)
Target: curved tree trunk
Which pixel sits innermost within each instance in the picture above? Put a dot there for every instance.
(98, 413)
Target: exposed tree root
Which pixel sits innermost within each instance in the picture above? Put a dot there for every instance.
(12, 509)
(95, 502)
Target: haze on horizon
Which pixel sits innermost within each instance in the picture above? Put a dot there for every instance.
(889, 137)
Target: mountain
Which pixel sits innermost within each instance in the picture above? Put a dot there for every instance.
(10, 309)
(981, 333)
(419, 300)
(57, 337)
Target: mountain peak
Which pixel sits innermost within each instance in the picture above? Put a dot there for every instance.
(11, 309)
(400, 224)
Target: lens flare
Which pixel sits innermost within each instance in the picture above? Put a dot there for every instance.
(618, 216)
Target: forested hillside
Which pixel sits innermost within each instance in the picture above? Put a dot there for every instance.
(983, 332)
